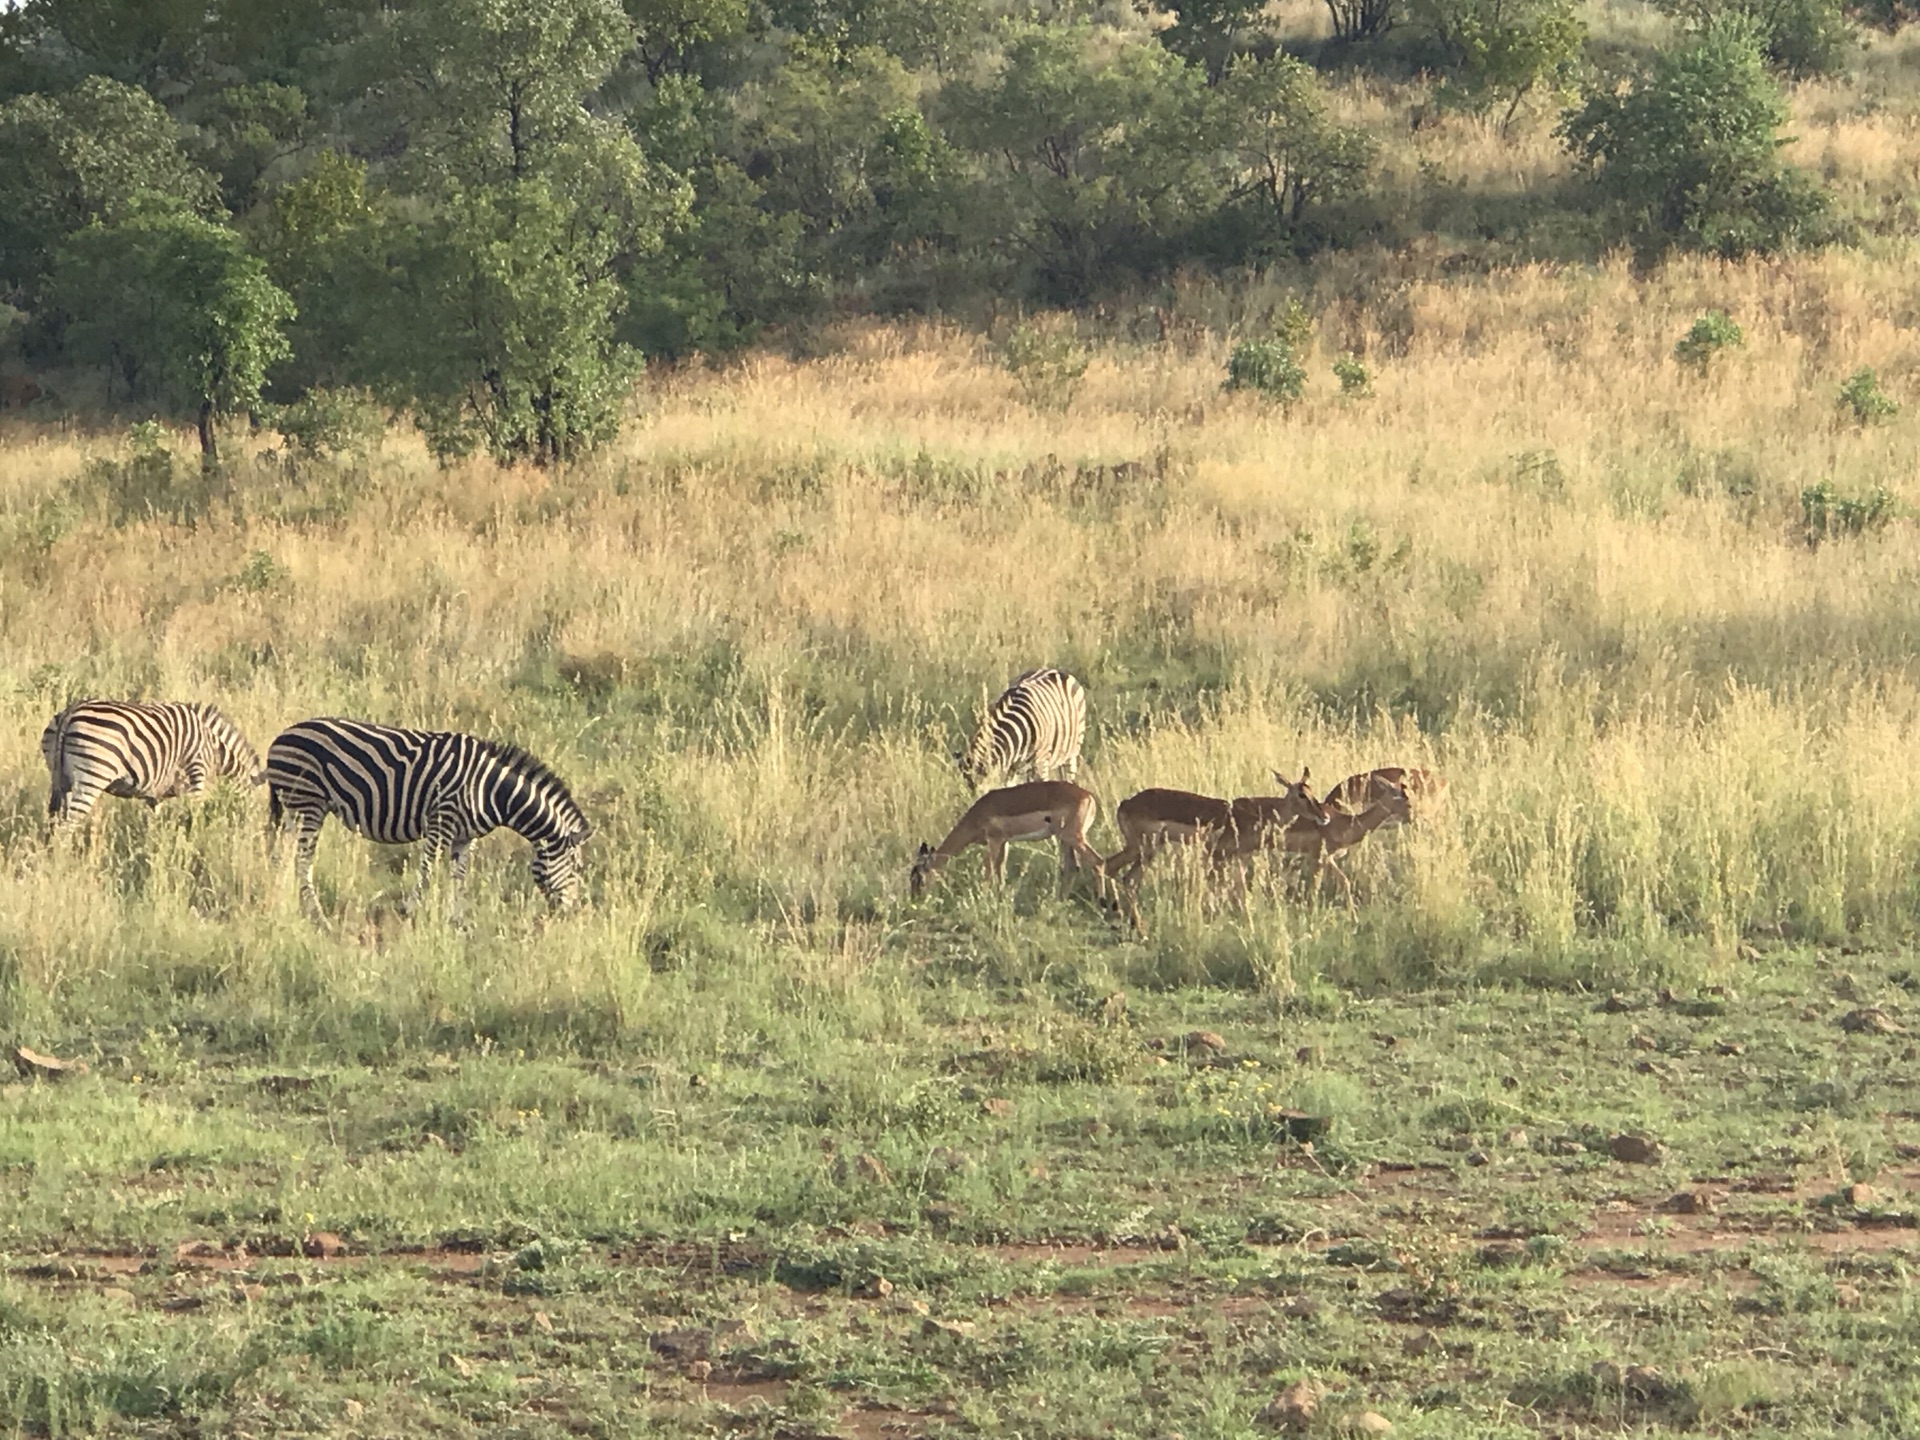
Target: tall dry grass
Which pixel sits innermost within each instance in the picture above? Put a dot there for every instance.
(1543, 558)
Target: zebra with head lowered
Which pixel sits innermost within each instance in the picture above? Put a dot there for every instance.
(1033, 731)
(139, 750)
(397, 786)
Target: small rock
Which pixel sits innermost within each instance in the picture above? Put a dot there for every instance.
(871, 1167)
(1113, 1009)
(250, 1293)
(121, 1296)
(998, 1107)
(1478, 1158)
(1370, 1422)
(1729, 1047)
(1514, 1139)
(1096, 1129)
(1205, 1042)
(353, 1409)
(685, 1344)
(1847, 1297)
(322, 1245)
(1618, 1004)
(1309, 1055)
(1566, 1145)
(951, 1329)
(1303, 1307)
(1503, 1254)
(1382, 1038)
(1862, 1197)
(1293, 1408)
(942, 1217)
(1869, 1020)
(1686, 1202)
(1643, 1042)
(700, 1371)
(543, 1320)
(1607, 1373)
(1419, 1344)
(876, 1287)
(1634, 1149)
(1509, 1082)
(1643, 1380)
(1037, 1170)
(1748, 954)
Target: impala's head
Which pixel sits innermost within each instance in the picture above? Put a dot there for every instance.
(1296, 794)
(1393, 799)
(558, 871)
(926, 864)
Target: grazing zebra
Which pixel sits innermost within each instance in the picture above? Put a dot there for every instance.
(1034, 729)
(139, 750)
(397, 786)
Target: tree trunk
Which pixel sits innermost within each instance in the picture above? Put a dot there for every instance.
(209, 443)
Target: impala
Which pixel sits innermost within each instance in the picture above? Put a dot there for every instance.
(1154, 818)
(1039, 810)
(1424, 789)
(1257, 827)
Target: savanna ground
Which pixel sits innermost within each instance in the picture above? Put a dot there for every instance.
(751, 1146)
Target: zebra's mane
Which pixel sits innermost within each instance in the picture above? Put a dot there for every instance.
(528, 767)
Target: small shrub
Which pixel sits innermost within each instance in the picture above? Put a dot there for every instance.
(331, 424)
(1047, 364)
(1862, 395)
(149, 484)
(1827, 514)
(1711, 333)
(1268, 366)
(1356, 380)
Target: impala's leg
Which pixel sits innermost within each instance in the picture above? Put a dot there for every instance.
(996, 861)
(1329, 863)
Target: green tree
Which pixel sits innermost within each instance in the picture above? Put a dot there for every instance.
(670, 36)
(1289, 154)
(87, 155)
(175, 306)
(243, 131)
(483, 91)
(501, 335)
(1690, 153)
(1497, 52)
(1097, 163)
(1209, 32)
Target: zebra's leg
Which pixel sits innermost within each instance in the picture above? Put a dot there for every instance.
(306, 840)
(457, 855)
(436, 841)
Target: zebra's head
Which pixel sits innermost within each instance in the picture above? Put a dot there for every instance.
(558, 871)
(235, 757)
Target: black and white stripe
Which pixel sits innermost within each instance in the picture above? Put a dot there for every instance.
(1033, 731)
(397, 786)
(139, 750)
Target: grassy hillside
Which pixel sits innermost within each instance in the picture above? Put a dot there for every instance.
(1675, 693)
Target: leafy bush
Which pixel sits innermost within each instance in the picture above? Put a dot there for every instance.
(1268, 366)
(1827, 514)
(1046, 363)
(1691, 152)
(1710, 334)
(1862, 395)
(1803, 38)
(149, 484)
(1497, 52)
(328, 424)
(1356, 380)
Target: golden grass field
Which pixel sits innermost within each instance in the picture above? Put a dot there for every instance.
(1543, 557)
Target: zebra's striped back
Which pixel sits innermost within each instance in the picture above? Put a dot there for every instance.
(1035, 728)
(142, 750)
(397, 786)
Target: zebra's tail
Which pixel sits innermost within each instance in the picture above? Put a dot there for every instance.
(275, 810)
